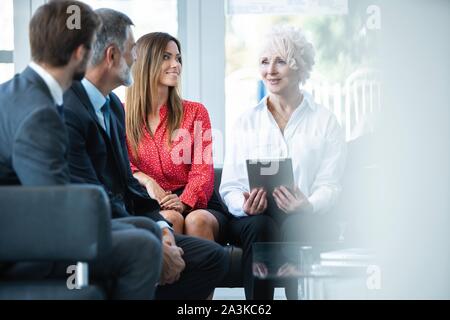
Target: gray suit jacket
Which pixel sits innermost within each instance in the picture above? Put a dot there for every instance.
(33, 146)
(33, 141)
(33, 137)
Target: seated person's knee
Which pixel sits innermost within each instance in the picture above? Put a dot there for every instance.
(175, 218)
(199, 218)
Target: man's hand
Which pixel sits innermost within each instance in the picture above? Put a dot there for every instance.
(173, 263)
(291, 202)
(173, 202)
(167, 237)
(255, 202)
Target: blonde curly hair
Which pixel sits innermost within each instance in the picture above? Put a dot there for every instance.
(291, 44)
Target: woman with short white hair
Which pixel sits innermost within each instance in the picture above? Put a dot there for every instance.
(287, 123)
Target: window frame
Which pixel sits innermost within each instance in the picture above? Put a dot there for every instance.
(6, 56)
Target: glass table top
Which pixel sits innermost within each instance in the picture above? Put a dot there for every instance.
(275, 260)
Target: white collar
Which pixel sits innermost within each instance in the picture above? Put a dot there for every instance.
(55, 89)
(307, 101)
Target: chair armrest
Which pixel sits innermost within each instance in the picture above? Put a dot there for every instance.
(60, 223)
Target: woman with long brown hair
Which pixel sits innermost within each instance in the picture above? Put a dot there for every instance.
(169, 141)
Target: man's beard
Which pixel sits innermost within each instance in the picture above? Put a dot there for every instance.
(81, 71)
(125, 73)
(78, 76)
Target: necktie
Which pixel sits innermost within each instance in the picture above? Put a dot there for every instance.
(60, 110)
(106, 110)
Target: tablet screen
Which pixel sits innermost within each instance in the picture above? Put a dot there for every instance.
(269, 174)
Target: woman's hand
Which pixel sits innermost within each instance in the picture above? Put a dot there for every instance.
(255, 202)
(173, 202)
(291, 202)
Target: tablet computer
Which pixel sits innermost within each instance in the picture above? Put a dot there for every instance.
(269, 174)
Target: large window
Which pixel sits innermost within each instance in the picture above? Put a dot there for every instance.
(6, 40)
(147, 15)
(343, 78)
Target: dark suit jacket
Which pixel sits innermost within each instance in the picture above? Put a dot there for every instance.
(33, 139)
(97, 159)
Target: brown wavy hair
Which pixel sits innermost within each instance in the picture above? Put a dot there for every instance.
(141, 97)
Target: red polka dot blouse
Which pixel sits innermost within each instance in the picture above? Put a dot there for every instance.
(187, 162)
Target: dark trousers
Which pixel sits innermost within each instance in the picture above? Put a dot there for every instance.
(130, 270)
(135, 261)
(206, 265)
(275, 227)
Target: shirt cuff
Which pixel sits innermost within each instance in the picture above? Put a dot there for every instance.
(189, 199)
(320, 200)
(163, 225)
(235, 201)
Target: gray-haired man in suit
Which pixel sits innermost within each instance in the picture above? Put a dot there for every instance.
(34, 144)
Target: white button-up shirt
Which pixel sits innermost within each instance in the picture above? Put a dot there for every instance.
(313, 140)
(55, 89)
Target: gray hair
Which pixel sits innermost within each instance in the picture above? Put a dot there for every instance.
(291, 44)
(114, 30)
